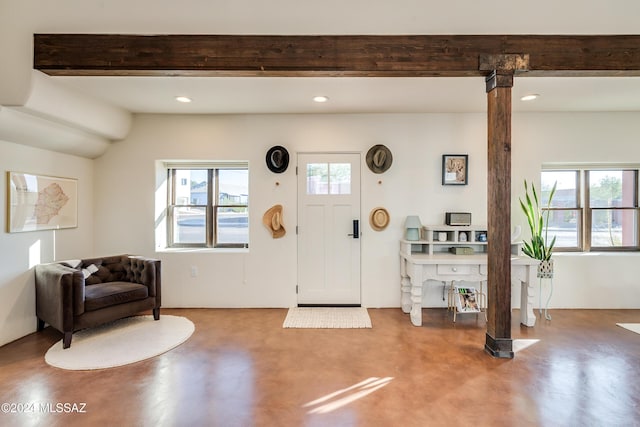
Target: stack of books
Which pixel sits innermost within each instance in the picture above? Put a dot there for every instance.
(461, 250)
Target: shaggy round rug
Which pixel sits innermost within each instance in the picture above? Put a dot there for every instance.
(121, 342)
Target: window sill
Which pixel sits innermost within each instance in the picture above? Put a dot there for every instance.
(203, 250)
(595, 253)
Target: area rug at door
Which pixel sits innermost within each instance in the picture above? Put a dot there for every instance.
(327, 317)
(121, 342)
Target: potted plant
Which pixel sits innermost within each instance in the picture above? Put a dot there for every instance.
(538, 220)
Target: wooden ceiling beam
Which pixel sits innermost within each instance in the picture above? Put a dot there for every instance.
(331, 55)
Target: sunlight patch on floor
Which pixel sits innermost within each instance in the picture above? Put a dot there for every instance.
(634, 327)
(343, 397)
(521, 344)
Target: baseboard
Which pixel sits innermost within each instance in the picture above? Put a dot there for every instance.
(329, 305)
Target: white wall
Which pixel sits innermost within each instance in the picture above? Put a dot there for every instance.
(594, 280)
(21, 251)
(266, 276)
(116, 194)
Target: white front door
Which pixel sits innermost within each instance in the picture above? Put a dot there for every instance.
(328, 218)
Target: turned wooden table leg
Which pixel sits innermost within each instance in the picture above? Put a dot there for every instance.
(416, 296)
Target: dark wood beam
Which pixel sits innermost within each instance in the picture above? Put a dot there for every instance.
(330, 55)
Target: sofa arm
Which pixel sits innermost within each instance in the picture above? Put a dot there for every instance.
(146, 271)
(59, 295)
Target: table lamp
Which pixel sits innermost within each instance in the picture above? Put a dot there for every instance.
(412, 224)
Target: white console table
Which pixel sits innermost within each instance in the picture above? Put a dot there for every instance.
(417, 268)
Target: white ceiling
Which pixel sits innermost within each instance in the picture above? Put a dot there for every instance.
(268, 95)
(19, 20)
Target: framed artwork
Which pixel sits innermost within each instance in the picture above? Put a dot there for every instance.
(455, 169)
(39, 202)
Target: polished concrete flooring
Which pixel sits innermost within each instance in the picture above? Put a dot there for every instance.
(240, 368)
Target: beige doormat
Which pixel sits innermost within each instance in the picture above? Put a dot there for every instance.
(120, 342)
(634, 327)
(327, 317)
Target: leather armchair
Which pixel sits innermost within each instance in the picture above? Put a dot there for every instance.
(74, 295)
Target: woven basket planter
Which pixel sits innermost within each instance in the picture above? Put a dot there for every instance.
(545, 269)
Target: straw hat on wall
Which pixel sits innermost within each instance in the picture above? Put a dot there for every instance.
(272, 219)
(379, 219)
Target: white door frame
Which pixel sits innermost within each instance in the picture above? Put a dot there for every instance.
(325, 233)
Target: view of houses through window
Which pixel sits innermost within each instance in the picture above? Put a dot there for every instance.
(209, 207)
(593, 209)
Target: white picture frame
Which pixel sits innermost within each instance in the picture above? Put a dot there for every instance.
(40, 202)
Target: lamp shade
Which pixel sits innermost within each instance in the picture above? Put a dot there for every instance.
(412, 221)
(413, 224)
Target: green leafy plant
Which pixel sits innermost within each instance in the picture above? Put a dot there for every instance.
(538, 221)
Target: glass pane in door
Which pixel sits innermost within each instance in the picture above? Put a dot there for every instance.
(340, 178)
(318, 178)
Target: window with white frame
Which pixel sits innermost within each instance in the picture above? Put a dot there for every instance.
(208, 205)
(593, 209)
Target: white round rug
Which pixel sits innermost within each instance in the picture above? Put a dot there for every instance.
(121, 342)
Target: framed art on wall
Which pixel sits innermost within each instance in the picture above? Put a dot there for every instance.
(455, 169)
(40, 202)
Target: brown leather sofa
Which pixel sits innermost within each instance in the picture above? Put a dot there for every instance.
(74, 295)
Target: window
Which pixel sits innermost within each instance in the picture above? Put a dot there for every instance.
(565, 214)
(593, 209)
(208, 206)
(613, 204)
(329, 178)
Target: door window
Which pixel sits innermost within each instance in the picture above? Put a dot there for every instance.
(328, 178)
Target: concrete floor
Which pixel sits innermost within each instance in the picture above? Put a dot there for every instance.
(241, 368)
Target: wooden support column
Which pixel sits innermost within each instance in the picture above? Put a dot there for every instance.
(498, 338)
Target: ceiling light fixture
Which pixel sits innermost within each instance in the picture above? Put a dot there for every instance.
(530, 97)
(184, 99)
(320, 98)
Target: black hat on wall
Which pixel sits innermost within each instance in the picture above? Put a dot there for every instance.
(277, 159)
(379, 158)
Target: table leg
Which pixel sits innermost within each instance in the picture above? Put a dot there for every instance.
(405, 288)
(416, 296)
(527, 296)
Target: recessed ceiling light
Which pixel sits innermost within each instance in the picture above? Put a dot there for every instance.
(530, 97)
(183, 99)
(320, 98)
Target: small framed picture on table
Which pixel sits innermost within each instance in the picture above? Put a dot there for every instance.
(455, 169)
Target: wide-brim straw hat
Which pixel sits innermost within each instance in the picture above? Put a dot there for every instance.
(272, 219)
(379, 158)
(379, 219)
(277, 159)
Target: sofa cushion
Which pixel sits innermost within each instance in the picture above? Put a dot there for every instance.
(73, 263)
(86, 272)
(110, 269)
(107, 294)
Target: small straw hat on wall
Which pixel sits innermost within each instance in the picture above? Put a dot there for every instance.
(272, 219)
(379, 219)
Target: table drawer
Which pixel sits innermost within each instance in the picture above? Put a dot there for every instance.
(456, 269)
